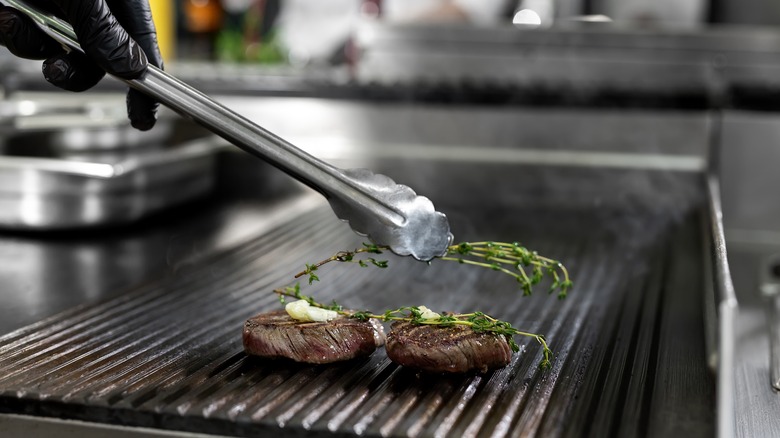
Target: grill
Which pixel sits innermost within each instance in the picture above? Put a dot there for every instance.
(628, 342)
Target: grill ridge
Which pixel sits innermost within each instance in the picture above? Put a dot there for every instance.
(168, 353)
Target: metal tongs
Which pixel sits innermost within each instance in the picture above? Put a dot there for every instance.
(375, 206)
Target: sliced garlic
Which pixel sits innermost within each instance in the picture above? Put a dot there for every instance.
(428, 313)
(301, 310)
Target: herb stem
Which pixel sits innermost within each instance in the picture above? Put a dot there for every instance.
(508, 258)
(486, 265)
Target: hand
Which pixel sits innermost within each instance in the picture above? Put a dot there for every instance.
(118, 37)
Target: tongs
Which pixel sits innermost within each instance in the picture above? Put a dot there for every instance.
(389, 214)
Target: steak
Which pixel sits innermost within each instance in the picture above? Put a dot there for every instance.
(437, 349)
(277, 335)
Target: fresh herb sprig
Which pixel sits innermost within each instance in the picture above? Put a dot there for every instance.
(346, 257)
(479, 322)
(513, 259)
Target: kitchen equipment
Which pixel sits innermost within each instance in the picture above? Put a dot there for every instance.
(73, 163)
(628, 341)
(388, 213)
(55, 124)
(47, 193)
(770, 291)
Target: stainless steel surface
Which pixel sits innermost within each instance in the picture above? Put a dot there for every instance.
(727, 310)
(755, 399)
(745, 13)
(662, 140)
(388, 213)
(24, 426)
(748, 160)
(46, 273)
(773, 320)
(573, 61)
(57, 193)
(770, 290)
(39, 123)
(629, 354)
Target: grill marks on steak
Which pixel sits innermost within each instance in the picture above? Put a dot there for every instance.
(277, 335)
(437, 349)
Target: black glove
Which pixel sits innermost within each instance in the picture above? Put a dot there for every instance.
(118, 37)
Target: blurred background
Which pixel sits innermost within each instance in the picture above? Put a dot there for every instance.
(597, 105)
(301, 32)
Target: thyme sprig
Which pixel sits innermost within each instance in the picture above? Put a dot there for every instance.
(513, 259)
(346, 257)
(479, 322)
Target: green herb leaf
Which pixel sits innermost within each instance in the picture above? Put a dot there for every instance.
(378, 263)
(464, 248)
(361, 316)
(371, 248)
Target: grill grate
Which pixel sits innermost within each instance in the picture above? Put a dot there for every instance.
(168, 354)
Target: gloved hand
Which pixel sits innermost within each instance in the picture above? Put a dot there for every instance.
(118, 37)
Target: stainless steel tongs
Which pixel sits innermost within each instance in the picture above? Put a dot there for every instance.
(389, 214)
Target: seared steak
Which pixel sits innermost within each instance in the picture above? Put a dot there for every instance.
(277, 335)
(437, 349)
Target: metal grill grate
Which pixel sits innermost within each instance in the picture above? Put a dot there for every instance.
(628, 342)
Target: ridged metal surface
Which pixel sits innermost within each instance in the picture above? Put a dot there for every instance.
(628, 341)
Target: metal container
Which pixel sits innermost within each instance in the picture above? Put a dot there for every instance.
(74, 163)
